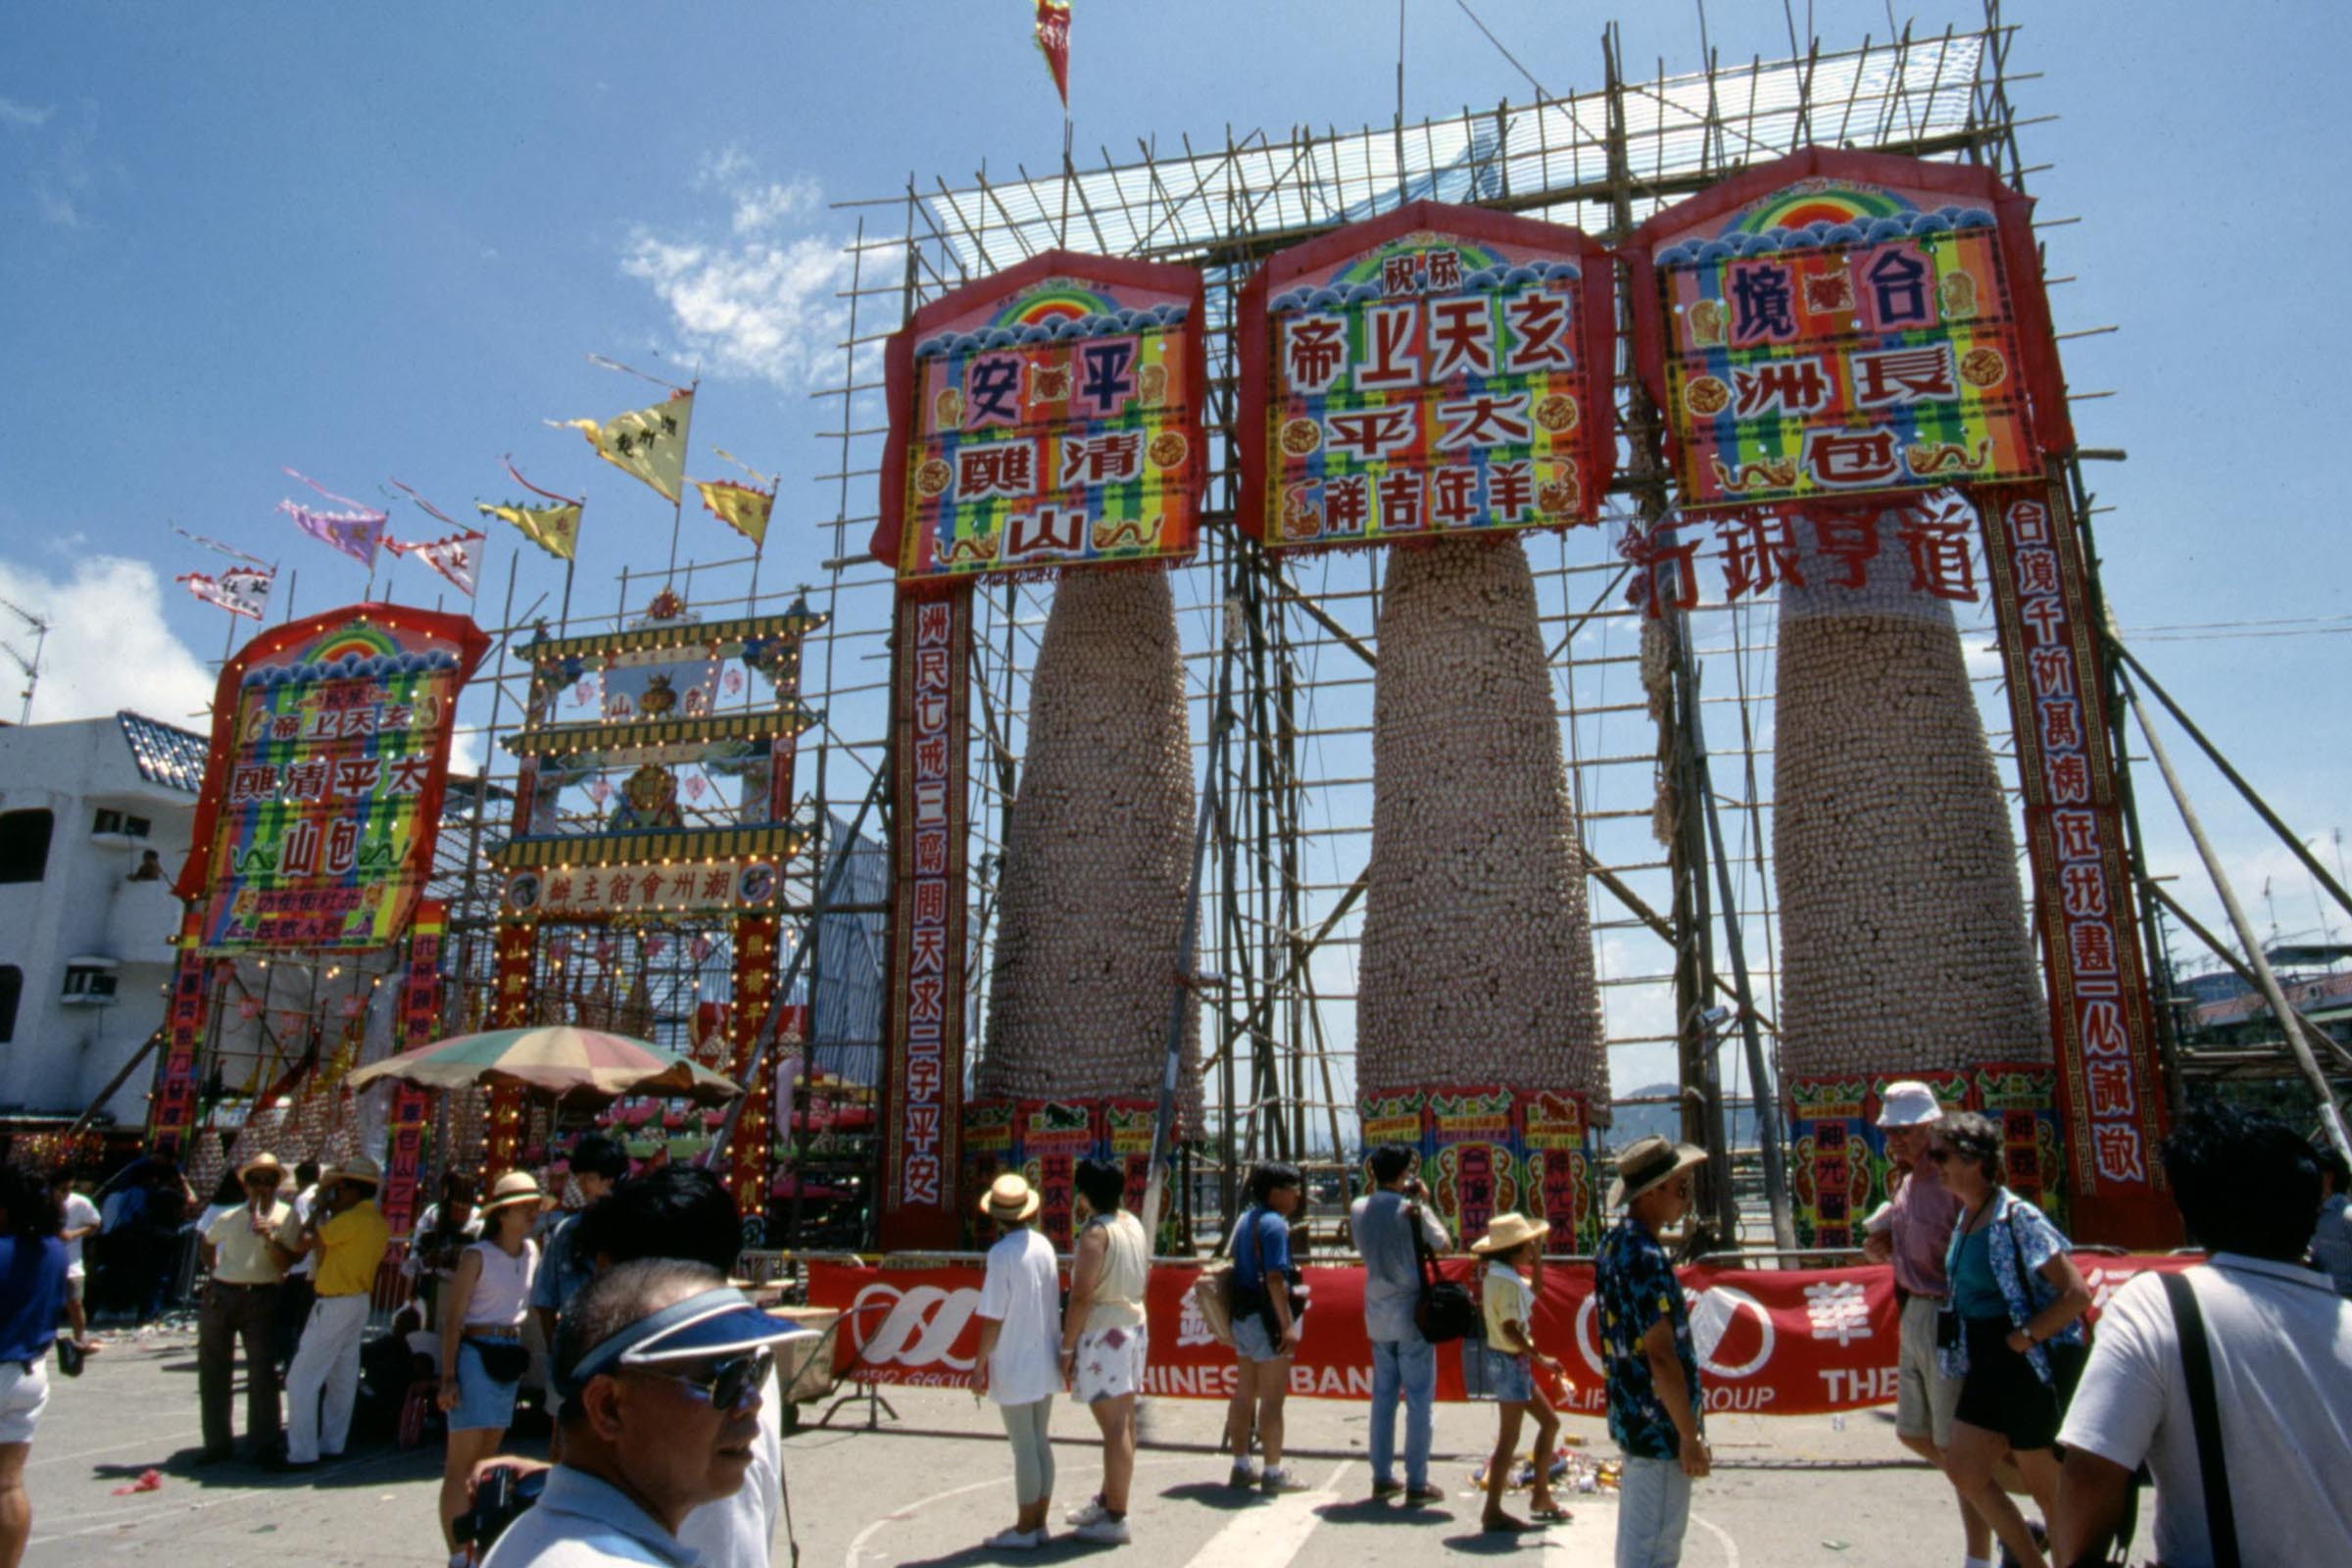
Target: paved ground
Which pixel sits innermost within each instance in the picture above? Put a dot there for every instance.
(923, 1489)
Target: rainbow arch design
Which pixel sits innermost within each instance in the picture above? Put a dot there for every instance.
(1812, 203)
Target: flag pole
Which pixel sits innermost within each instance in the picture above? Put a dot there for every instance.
(678, 506)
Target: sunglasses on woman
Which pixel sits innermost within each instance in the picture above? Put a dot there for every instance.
(732, 1383)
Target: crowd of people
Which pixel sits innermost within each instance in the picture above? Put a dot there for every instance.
(2224, 1387)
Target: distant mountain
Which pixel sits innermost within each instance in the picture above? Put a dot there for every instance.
(1666, 1122)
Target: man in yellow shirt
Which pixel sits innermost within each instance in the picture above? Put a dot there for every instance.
(240, 1302)
(346, 1235)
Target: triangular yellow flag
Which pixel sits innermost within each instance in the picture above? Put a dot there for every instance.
(740, 507)
(650, 443)
(553, 530)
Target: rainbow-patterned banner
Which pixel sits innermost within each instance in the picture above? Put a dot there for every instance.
(1438, 370)
(322, 787)
(1840, 324)
(1047, 416)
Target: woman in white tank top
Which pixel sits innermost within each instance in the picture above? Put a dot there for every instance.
(1104, 1346)
(482, 1358)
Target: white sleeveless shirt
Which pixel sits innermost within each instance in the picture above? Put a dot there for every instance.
(502, 1294)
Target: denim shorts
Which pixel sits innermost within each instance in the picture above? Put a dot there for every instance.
(1253, 1340)
(1509, 1378)
(483, 1403)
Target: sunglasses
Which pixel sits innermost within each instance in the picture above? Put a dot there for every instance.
(261, 1181)
(1944, 1157)
(732, 1384)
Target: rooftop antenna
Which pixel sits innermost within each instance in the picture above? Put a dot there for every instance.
(31, 666)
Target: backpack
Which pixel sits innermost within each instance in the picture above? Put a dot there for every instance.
(1212, 1296)
(1446, 1309)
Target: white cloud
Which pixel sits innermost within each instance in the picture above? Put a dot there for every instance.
(107, 647)
(23, 116)
(757, 301)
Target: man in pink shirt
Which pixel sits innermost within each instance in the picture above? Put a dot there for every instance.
(1911, 1232)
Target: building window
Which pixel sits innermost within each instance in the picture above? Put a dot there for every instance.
(110, 821)
(12, 987)
(23, 844)
(89, 981)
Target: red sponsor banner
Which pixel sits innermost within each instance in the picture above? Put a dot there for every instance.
(2110, 1089)
(1792, 1342)
(1046, 417)
(173, 1109)
(924, 1076)
(1436, 370)
(413, 1106)
(1836, 324)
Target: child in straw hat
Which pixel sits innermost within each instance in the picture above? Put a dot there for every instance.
(1513, 1247)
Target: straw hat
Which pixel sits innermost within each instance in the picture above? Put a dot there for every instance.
(1507, 1231)
(1647, 1162)
(362, 1169)
(262, 1161)
(1010, 1199)
(1908, 1104)
(515, 1186)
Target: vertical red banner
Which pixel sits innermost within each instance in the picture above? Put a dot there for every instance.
(748, 1155)
(2110, 1089)
(172, 1110)
(518, 941)
(413, 1106)
(923, 1081)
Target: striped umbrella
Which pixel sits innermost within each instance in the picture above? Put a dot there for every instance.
(560, 1061)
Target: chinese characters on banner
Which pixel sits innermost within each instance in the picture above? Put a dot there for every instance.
(924, 1084)
(1043, 1140)
(172, 1110)
(1842, 324)
(1925, 550)
(2110, 1096)
(754, 951)
(1438, 370)
(412, 1106)
(1047, 416)
(602, 893)
(322, 789)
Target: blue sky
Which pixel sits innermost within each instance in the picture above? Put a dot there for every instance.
(369, 240)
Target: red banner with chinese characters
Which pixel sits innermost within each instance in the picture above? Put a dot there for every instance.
(1433, 370)
(2111, 1098)
(1046, 417)
(1790, 1342)
(322, 787)
(412, 1106)
(749, 1153)
(1837, 325)
(171, 1110)
(923, 1080)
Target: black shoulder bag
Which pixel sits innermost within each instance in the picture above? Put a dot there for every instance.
(2204, 1413)
(2067, 1362)
(1444, 1311)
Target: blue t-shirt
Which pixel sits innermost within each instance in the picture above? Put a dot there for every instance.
(32, 1294)
(1269, 1248)
(1975, 1292)
(1637, 1288)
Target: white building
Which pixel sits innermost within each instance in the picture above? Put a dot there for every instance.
(85, 943)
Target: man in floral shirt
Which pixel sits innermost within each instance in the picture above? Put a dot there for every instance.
(1655, 1403)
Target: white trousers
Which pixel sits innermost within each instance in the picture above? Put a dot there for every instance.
(325, 1369)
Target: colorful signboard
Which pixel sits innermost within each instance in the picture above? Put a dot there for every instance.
(1838, 324)
(656, 772)
(1838, 1168)
(171, 1111)
(923, 1066)
(322, 789)
(1047, 416)
(412, 1109)
(1435, 371)
(1043, 1140)
(2110, 1092)
(1486, 1150)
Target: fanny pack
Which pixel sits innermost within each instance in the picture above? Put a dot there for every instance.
(504, 1359)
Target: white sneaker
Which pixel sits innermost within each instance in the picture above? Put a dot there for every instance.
(1104, 1531)
(1087, 1512)
(1244, 1474)
(1276, 1482)
(1016, 1540)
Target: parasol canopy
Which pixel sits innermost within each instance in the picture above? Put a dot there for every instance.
(560, 1061)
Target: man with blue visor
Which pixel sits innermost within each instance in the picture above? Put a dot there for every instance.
(661, 1366)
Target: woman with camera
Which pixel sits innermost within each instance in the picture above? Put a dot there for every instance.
(1265, 1324)
(2012, 1332)
(482, 1358)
